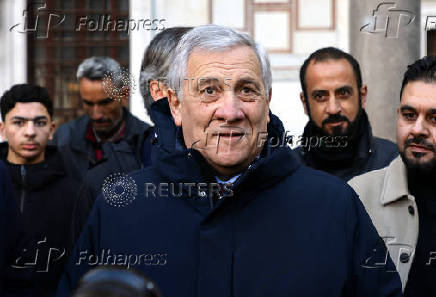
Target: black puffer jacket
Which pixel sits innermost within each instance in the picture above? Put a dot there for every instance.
(47, 199)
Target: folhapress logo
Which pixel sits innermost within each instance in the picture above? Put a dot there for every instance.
(388, 20)
(52, 19)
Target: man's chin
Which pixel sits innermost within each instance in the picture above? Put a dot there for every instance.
(422, 164)
(228, 165)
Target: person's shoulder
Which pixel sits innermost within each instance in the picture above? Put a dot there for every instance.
(370, 184)
(64, 132)
(135, 122)
(369, 178)
(385, 146)
(141, 175)
(3, 168)
(320, 183)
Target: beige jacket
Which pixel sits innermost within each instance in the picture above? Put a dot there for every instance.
(393, 211)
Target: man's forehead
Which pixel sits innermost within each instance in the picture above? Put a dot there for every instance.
(28, 110)
(420, 94)
(237, 59)
(330, 69)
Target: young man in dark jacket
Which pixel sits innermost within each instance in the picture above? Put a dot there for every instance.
(8, 211)
(338, 137)
(46, 196)
(220, 213)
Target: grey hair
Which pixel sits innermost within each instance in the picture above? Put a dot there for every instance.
(213, 38)
(156, 60)
(97, 68)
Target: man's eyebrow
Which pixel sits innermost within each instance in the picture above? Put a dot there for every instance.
(29, 119)
(101, 101)
(316, 91)
(206, 80)
(105, 100)
(407, 108)
(345, 87)
(247, 80)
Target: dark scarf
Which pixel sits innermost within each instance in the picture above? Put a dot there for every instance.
(333, 157)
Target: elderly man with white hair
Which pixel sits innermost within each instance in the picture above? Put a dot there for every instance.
(224, 211)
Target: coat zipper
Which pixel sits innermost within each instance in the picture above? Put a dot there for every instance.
(23, 189)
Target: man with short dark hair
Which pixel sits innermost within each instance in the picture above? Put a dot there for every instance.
(153, 78)
(47, 197)
(108, 139)
(338, 137)
(401, 198)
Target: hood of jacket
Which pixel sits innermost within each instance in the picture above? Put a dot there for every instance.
(35, 176)
(174, 162)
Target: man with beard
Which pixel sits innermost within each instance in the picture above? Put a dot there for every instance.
(338, 138)
(393, 196)
(108, 133)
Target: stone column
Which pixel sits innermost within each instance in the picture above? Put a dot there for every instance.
(138, 41)
(384, 38)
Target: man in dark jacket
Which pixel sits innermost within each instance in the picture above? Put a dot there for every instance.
(153, 78)
(338, 138)
(221, 214)
(47, 197)
(8, 211)
(108, 138)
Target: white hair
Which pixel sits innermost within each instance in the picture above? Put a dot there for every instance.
(213, 38)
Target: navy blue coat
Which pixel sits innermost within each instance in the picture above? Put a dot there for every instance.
(7, 214)
(287, 230)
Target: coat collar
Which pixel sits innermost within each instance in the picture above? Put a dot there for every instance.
(395, 182)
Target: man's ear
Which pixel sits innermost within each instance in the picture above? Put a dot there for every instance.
(158, 90)
(2, 131)
(268, 102)
(363, 94)
(125, 96)
(52, 130)
(303, 101)
(175, 106)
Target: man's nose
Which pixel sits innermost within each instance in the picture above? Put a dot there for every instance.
(333, 106)
(419, 127)
(230, 108)
(96, 112)
(30, 129)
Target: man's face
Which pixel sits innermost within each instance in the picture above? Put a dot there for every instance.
(333, 97)
(105, 113)
(27, 128)
(416, 126)
(224, 108)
